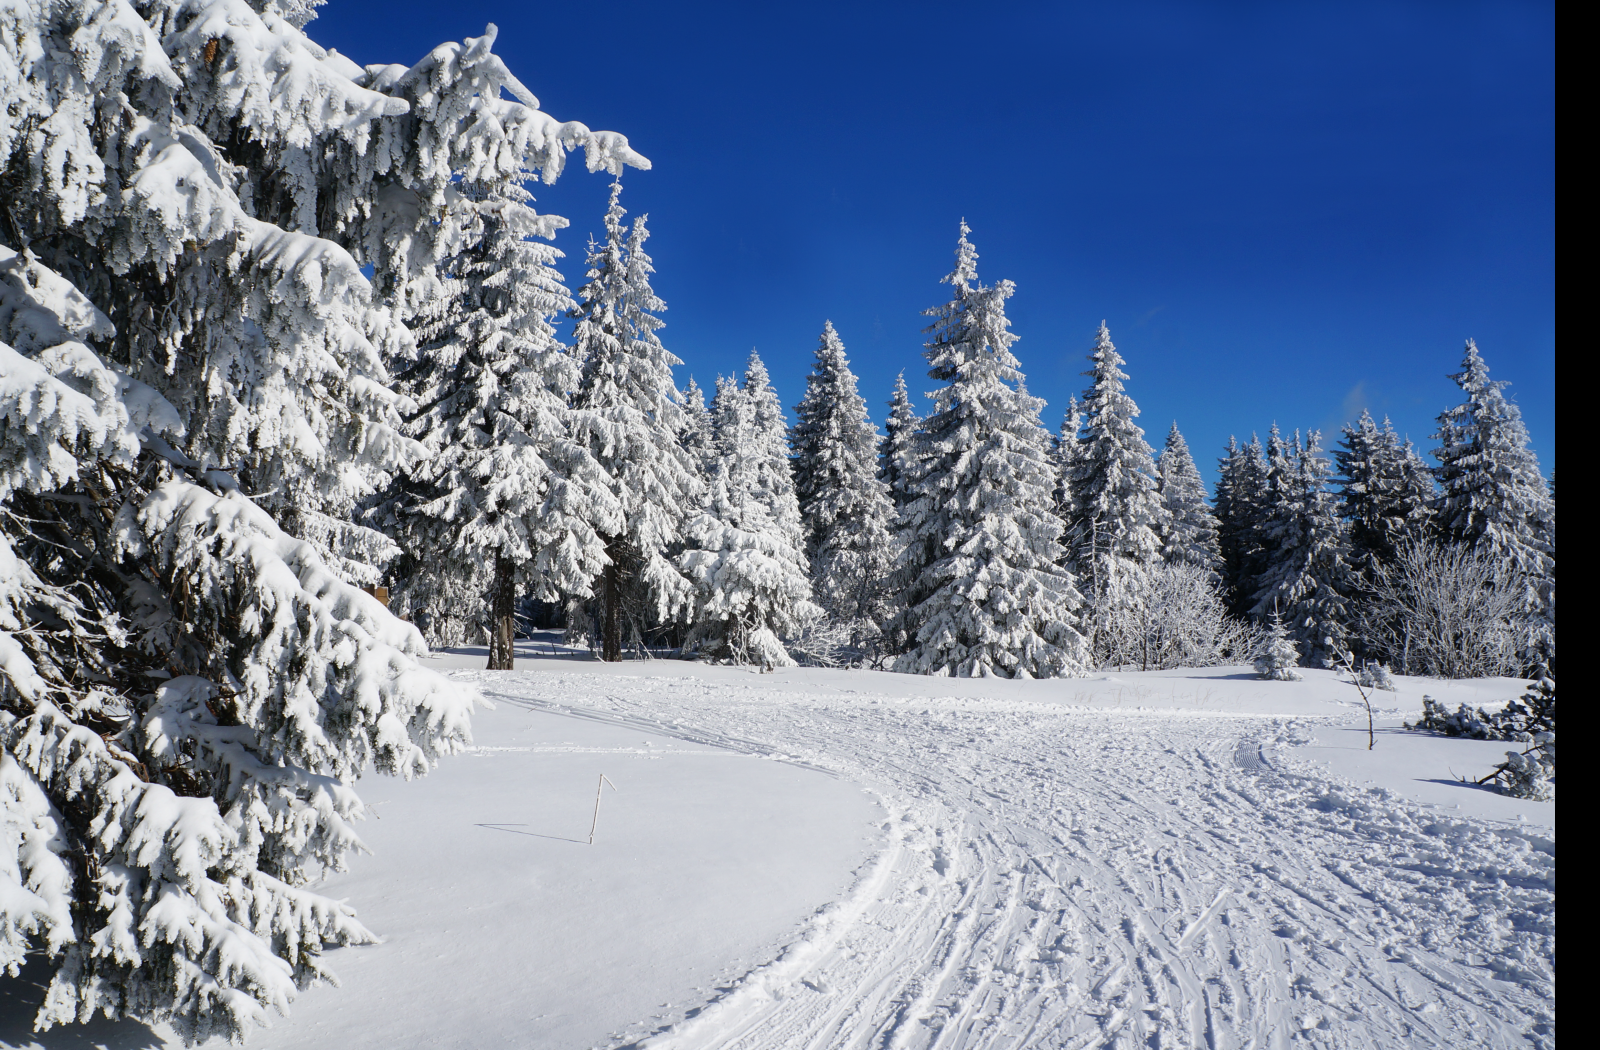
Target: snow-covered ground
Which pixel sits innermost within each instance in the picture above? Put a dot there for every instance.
(820, 859)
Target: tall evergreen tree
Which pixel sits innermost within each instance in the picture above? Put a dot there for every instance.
(1241, 511)
(1493, 497)
(845, 510)
(767, 451)
(744, 549)
(498, 499)
(1385, 490)
(983, 591)
(1116, 509)
(626, 414)
(1305, 568)
(897, 450)
(1064, 452)
(192, 356)
(1188, 528)
(697, 435)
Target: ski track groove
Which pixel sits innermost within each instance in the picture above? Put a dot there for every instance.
(1082, 878)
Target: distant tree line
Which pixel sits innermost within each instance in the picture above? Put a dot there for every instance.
(967, 542)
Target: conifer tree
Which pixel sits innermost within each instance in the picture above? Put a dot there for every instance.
(627, 415)
(1493, 498)
(1385, 491)
(845, 510)
(748, 567)
(1305, 569)
(897, 450)
(1116, 509)
(191, 357)
(767, 450)
(1240, 509)
(697, 435)
(503, 497)
(1064, 452)
(1277, 656)
(1188, 528)
(983, 590)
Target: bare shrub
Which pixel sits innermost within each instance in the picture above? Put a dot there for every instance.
(1445, 611)
(1163, 616)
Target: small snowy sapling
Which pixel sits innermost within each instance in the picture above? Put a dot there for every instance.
(1277, 656)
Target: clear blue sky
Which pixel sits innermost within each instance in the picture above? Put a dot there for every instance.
(1285, 212)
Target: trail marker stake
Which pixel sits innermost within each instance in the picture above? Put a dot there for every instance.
(604, 780)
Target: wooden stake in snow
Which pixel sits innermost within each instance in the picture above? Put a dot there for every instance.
(604, 780)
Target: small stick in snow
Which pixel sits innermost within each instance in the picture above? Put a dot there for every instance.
(604, 780)
(1355, 680)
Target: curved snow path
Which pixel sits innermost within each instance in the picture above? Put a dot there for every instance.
(1059, 877)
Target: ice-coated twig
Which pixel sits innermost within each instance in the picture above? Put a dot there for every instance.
(604, 780)
(1355, 680)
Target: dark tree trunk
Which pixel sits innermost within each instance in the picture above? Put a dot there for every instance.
(502, 615)
(611, 603)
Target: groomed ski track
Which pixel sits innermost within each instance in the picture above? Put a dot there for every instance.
(1077, 877)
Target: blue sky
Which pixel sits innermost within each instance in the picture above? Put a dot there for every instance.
(1285, 212)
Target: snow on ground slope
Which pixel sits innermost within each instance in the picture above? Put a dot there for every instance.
(1189, 859)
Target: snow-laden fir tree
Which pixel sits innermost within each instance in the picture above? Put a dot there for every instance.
(1116, 509)
(744, 550)
(983, 591)
(696, 434)
(1385, 490)
(1240, 507)
(767, 449)
(1493, 498)
(897, 450)
(1305, 573)
(505, 501)
(845, 510)
(1115, 513)
(1063, 454)
(627, 415)
(186, 689)
(1276, 657)
(1188, 528)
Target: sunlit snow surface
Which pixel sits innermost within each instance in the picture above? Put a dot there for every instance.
(854, 859)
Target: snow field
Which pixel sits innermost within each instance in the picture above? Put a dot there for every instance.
(1140, 862)
(1171, 859)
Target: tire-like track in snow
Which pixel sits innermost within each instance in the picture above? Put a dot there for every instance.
(1058, 877)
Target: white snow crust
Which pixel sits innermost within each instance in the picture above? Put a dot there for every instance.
(816, 858)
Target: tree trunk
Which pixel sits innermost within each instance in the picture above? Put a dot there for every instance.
(502, 615)
(611, 604)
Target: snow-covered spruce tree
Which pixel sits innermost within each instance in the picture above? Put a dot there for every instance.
(696, 434)
(1188, 528)
(1115, 513)
(1277, 656)
(1493, 498)
(1063, 454)
(845, 510)
(767, 449)
(1240, 507)
(748, 566)
(506, 501)
(983, 591)
(627, 415)
(186, 690)
(1385, 490)
(1306, 572)
(897, 450)
(1116, 509)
